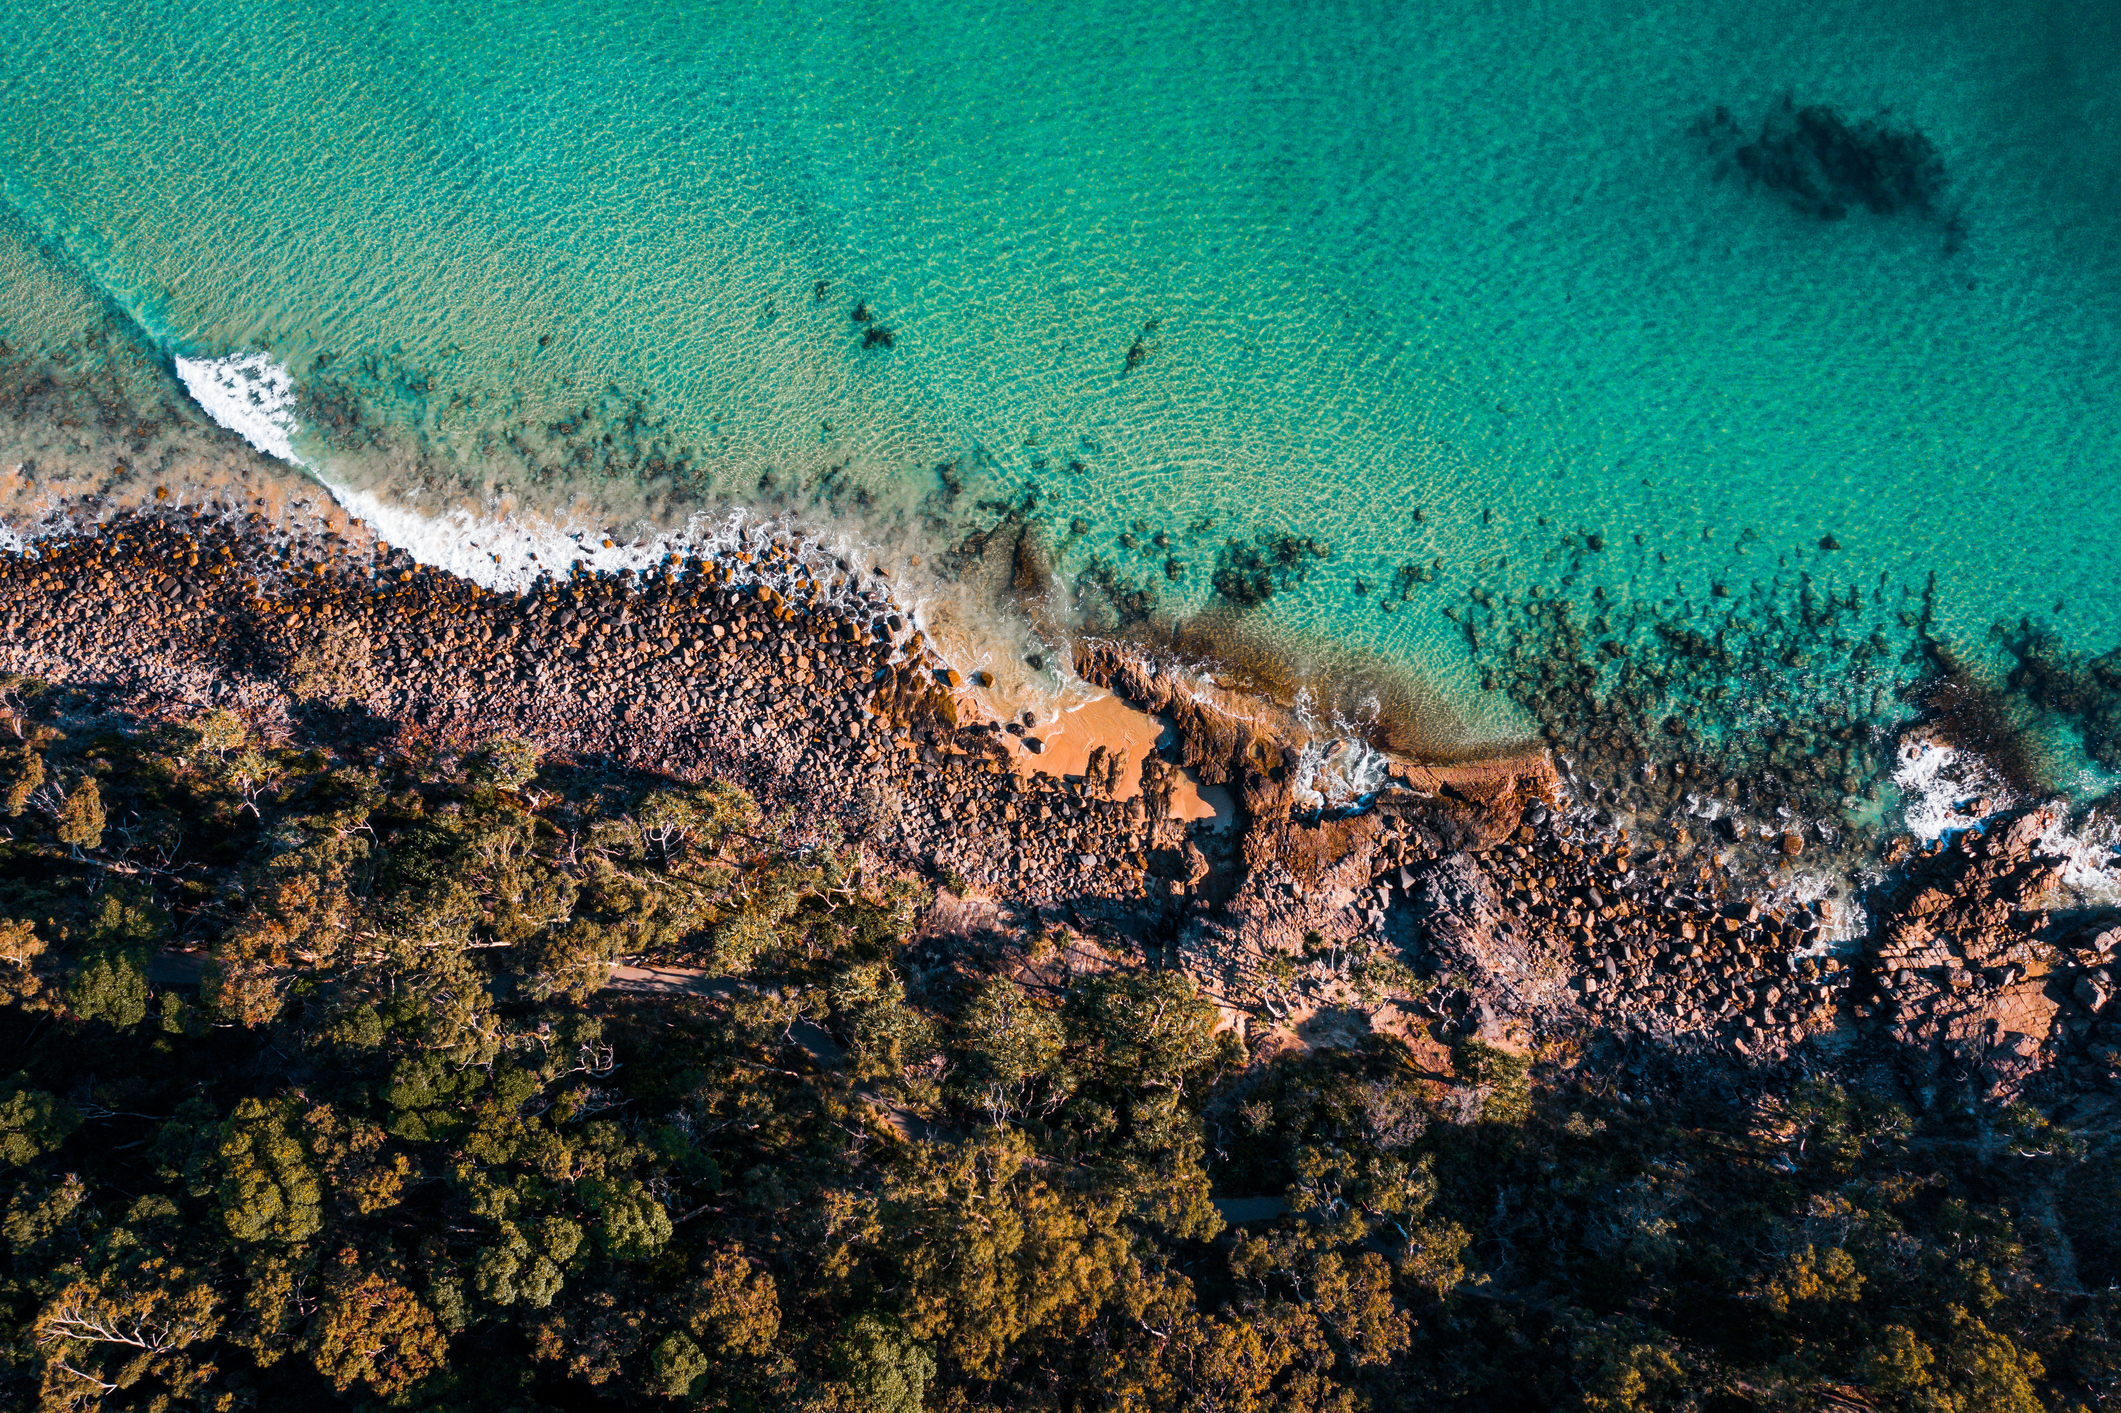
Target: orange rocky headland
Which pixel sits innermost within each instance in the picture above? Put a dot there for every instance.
(1468, 894)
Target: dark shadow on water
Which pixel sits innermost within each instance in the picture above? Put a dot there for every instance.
(1825, 166)
(2080, 688)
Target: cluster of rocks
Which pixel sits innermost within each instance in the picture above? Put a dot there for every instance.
(1967, 982)
(1488, 895)
(1960, 979)
(1953, 972)
(1036, 836)
(1672, 952)
(1538, 932)
(1304, 920)
(820, 696)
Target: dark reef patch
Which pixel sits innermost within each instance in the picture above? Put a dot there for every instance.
(1002, 523)
(105, 383)
(1250, 572)
(1108, 601)
(1971, 715)
(1142, 349)
(2078, 687)
(1825, 166)
(1763, 720)
(1725, 717)
(1247, 574)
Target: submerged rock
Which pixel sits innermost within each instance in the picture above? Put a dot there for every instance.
(1823, 165)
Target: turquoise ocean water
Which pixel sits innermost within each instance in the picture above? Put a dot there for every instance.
(1215, 272)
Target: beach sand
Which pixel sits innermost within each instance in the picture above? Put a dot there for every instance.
(1105, 720)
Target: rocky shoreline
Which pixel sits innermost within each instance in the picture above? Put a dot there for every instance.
(1474, 898)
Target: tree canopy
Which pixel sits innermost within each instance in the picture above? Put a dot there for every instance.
(319, 1098)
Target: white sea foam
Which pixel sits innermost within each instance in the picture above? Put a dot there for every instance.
(1943, 790)
(1337, 773)
(251, 394)
(2088, 854)
(503, 547)
(1946, 790)
(1336, 768)
(512, 551)
(254, 396)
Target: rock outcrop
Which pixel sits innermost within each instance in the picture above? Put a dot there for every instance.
(1967, 988)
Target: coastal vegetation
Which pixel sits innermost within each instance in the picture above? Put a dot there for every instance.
(318, 1097)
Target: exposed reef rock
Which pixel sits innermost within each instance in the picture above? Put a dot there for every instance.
(1231, 736)
(1966, 983)
(1509, 972)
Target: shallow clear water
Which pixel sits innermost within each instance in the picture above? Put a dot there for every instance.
(1463, 258)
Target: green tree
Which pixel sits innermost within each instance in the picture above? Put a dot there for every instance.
(35, 1218)
(677, 1365)
(1838, 1128)
(132, 1330)
(630, 1223)
(218, 732)
(736, 1308)
(1810, 1283)
(20, 948)
(246, 993)
(1900, 1362)
(1631, 1376)
(991, 1251)
(1499, 1078)
(81, 815)
(883, 1367)
(111, 987)
(513, 1271)
(1981, 1370)
(1432, 1261)
(32, 1124)
(1012, 1047)
(507, 763)
(1349, 1292)
(21, 776)
(1164, 1355)
(1138, 1031)
(268, 1191)
(884, 1034)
